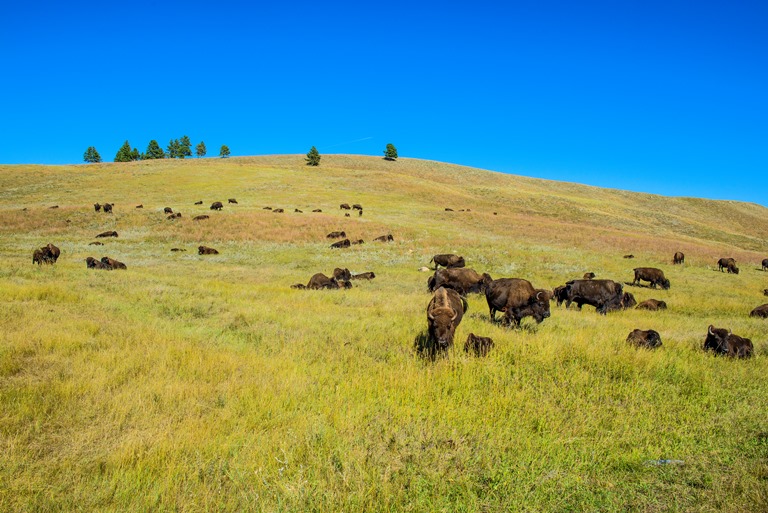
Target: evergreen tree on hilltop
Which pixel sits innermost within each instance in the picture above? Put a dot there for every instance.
(154, 151)
(390, 153)
(200, 149)
(173, 149)
(91, 156)
(313, 157)
(224, 152)
(185, 147)
(126, 154)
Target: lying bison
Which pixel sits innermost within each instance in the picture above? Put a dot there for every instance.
(232, 200)
(364, 276)
(341, 244)
(517, 299)
(199, 202)
(97, 206)
(168, 210)
(678, 258)
(649, 339)
(92, 263)
(589, 276)
(201, 217)
(114, 264)
(444, 313)
(728, 264)
(384, 238)
(48, 254)
(479, 346)
(320, 281)
(205, 250)
(344, 206)
(604, 295)
(760, 311)
(336, 235)
(652, 304)
(106, 234)
(724, 342)
(652, 275)
(463, 280)
(216, 205)
(448, 260)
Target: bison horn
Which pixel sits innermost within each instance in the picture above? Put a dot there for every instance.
(537, 295)
(430, 316)
(455, 314)
(710, 330)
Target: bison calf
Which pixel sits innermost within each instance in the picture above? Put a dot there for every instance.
(363, 276)
(200, 217)
(448, 260)
(341, 244)
(678, 258)
(384, 238)
(479, 346)
(92, 263)
(649, 339)
(652, 304)
(107, 234)
(205, 250)
(232, 200)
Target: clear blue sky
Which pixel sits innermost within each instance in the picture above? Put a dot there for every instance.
(666, 97)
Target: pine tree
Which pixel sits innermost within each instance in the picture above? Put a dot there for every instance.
(124, 154)
(391, 152)
(200, 149)
(135, 155)
(185, 147)
(313, 157)
(91, 156)
(224, 152)
(173, 148)
(154, 151)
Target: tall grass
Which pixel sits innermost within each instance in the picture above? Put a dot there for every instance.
(192, 383)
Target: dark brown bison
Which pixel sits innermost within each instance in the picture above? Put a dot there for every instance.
(317, 210)
(360, 213)
(652, 304)
(444, 313)
(298, 211)
(341, 244)
(299, 286)
(92, 263)
(107, 234)
(357, 206)
(765, 292)
(278, 211)
(724, 342)
(96, 243)
(463, 280)
(760, 311)
(342, 274)
(199, 202)
(168, 210)
(560, 294)
(448, 260)
(589, 276)
(177, 249)
(627, 301)
(346, 215)
(216, 205)
(629, 256)
(107, 207)
(336, 235)
(517, 299)
(205, 250)
(344, 206)
(364, 276)
(448, 209)
(97, 206)
(479, 346)
(200, 217)
(174, 216)
(139, 206)
(232, 200)
(39, 257)
(649, 339)
(652, 275)
(267, 208)
(52, 252)
(384, 238)
(114, 264)
(728, 264)
(765, 264)
(54, 206)
(604, 295)
(321, 281)
(358, 241)
(678, 258)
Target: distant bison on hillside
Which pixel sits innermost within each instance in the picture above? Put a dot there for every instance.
(320, 281)
(232, 200)
(364, 276)
(336, 235)
(589, 276)
(765, 264)
(344, 206)
(200, 217)
(384, 238)
(168, 210)
(448, 260)
(728, 264)
(652, 275)
(760, 311)
(92, 263)
(216, 205)
(107, 207)
(107, 234)
(678, 258)
(205, 250)
(114, 264)
(649, 339)
(341, 244)
(652, 304)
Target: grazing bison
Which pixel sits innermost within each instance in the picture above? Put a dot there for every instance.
(107, 207)
(652, 275)
(517, 299)
(341, 244)
(344, 206)
(205, 250)
(346, 215)
(336, 235)
(139, 206)
(199, 202)
(724, 342)
(358, 241)
(96, 243)
(448, 209)
(107, 234)
(652, 304)
(39, 257)
(200, 217)
(357, 206)
(728, 264)
(678, 258)
(448, 260)
(114, 264)
(92, 263)
(627, 301)
(364, 276)
(589, 276)
(97, 206)
(463, 280)
(267, 208)
(560, 294)
(321, 281)
(479, 346)
(317, 210)
(298, 211)
(760, 311)
(342, 274)
(604, 295)
(278, 211)
(360, 213)
(54, 206)
(765, 264)
(384, 238)
(216, 205)
(629, 256)
(232, 200)
(649, 339)
(444, 313)
(168, 210)
(177, 249)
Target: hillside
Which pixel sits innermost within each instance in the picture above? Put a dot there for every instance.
(192, 382)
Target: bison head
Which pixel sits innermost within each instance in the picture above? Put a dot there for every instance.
(442, 327)
(664, 284)
(540, 306)
(716, 340)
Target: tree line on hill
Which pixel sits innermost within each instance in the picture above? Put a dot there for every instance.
(177, 148)
(313, 156)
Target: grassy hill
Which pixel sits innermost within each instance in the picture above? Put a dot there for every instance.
(192, 383)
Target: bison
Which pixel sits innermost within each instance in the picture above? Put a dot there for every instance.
(205, 250)
(97, 206)
(652, 304)
(298, 211)
(724, 342)
(760, 311)
(175, 250)
(463, 280)
(479, 346)
(678, 258)
(107, 207)
(652, 275)
(139, 206)
(317, 210)
(216, 205)
(765, 264)
(96, 243)
(629, 256)
(448, 209)
(336, 235)
(604, 295)
(627, 301)
(168, 210)
(589, 276)
(384, 238)
(39, 257)
(267, 208)
(364, 276)
(358, 241)
(517, 299)
(342, 274)
(92, 263)
(232, 200)
(174, 216)
(199, 202)
(357, 206)
(448, 260)
(649, 339)
(560, 294)
(728, 264)
(444, 313)
(320, 281)
(344, 206)
(278, 211)
(107, 234)
(200, 217)
(341, 244)
(114, 264)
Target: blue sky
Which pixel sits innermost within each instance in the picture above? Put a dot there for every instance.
(664, 97)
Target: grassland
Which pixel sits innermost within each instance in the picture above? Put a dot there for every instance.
(204, 383)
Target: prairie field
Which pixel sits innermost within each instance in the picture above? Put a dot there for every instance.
(206, 383)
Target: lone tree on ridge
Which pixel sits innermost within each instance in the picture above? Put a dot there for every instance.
(313, 157)
(391, 152)
(200, 149)
(91, 156)
(224, 152)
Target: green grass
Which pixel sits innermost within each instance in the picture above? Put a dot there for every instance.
(205, 383)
